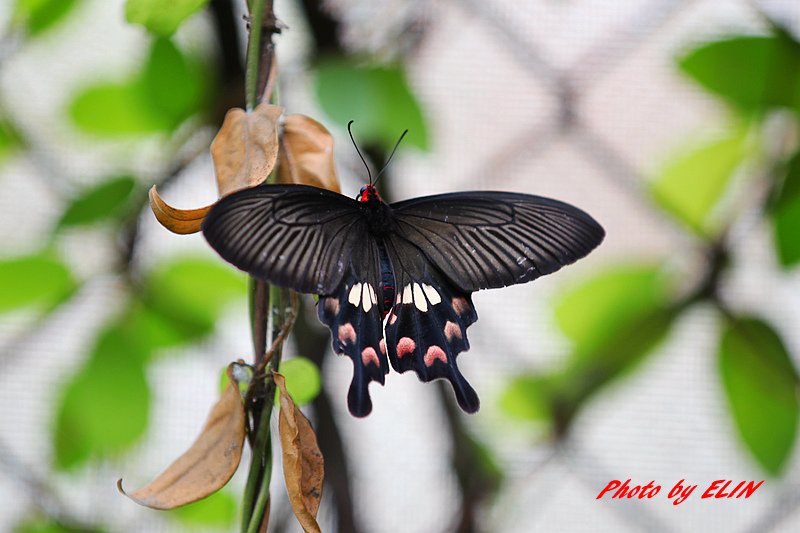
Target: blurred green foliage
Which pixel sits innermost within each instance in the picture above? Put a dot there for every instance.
(693, 183)
(10, 139)
(752, 73)
(159, 17)
(786, 215)
(39, 280)
(760, 382)
(217, 510)
(303, 380)
(105, 407)
(377, 97)
(616, 318)
(178, 302)
(592, 312)
(100, 202)
(192, 291)
(44, 525)
(36, 16)
(170, 88)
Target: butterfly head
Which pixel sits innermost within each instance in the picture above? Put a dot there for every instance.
(369, 193)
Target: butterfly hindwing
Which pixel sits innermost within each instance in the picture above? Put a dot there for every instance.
(353, 314)
(427, 325)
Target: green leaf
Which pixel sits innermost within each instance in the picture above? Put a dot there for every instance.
(377, 98)
(160, 330)
(169, 89)
(159, 17)
(302, 379)
(528, 397)
(487, 472)
(559, 396)
(39, 15)
(217, 510)
(752, 73)
(105, 407)
(34, 280)
(591, 312)
(97, 203)
(193, 291)
(172, 85)
(760, 383)
(786, 216)
(692, 185)
(10, 139)
(622, 351)
(45, 525)
(115, 109)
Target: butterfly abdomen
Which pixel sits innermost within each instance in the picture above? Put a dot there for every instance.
(387, 280)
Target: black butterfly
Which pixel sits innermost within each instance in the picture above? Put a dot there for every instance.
(417, 261)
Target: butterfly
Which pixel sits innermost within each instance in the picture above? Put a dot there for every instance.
(395, 281)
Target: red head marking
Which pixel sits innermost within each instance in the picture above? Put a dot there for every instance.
(369, 193)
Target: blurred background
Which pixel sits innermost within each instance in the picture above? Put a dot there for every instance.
(669, 353)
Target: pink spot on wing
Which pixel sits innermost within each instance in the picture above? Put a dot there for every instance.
(347, 333)
(451, 329)
(332, 305)
(405, 346)
(382, 345)
(368, 355)
(434, 353)
(460, 305)
(392, 318)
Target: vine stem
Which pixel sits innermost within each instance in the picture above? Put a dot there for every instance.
(270, 316)
(254, 58)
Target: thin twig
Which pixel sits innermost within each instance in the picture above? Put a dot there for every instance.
(288, 324)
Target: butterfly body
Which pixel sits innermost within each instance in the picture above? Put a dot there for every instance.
(413, 264)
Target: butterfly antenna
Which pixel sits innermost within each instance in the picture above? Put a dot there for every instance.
(390, 157)
(359, 151)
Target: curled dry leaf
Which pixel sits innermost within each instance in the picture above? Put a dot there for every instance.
(303, 466)
(245, 151)
(306, 155)
(246, 148)
(208, 464)
(180, 221)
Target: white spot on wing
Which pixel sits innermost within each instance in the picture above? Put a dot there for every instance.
(419, 298)
(407, 298)
(355, 295)
(366, 299)
(432, 295)
(372, 295)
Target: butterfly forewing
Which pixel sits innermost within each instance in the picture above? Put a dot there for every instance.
(291, 235)
(483, 240)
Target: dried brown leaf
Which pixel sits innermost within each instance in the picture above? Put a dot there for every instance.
(180, 221)
(303, 466)
(306, 155)
(246, 148)
(208, 464)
